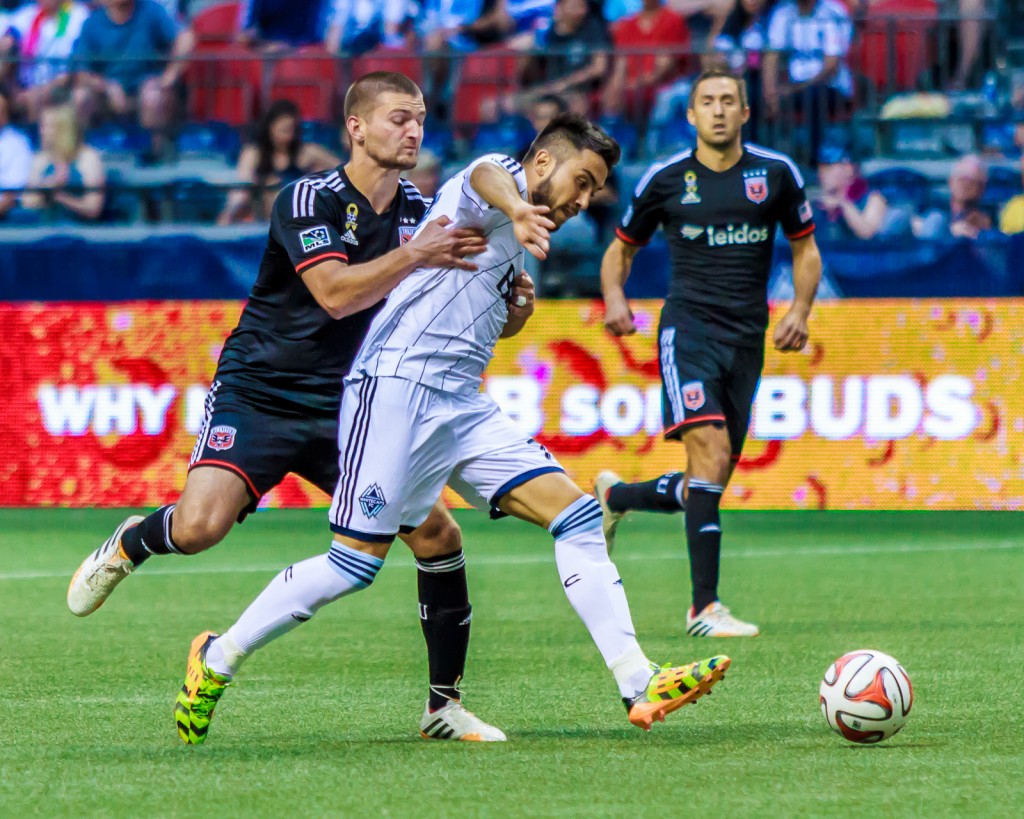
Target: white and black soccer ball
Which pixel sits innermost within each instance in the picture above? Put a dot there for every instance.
(866, 696)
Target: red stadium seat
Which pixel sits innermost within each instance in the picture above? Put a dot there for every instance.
(483, 76)
(383, 59)
(308, 78)
(907, 24)
(217, 24)
(224, 84)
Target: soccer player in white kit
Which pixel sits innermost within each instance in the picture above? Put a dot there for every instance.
(413, 419)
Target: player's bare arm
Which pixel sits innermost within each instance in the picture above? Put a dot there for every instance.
(791, 332)
(343, 289)
(615, 268)
(524, 296)
(497, 187)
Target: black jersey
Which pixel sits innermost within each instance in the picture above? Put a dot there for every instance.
(286, 348)
(721, 231)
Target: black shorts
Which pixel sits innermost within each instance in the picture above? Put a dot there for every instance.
(262, 443)
(705, 381)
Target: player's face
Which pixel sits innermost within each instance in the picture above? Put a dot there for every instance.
(717, 112)
(394, 130)
(567, 187)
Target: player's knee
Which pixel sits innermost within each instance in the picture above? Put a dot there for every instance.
(710, 463)
(197, 527)
(436, 539)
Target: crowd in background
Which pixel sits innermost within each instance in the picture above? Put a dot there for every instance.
(68, 66)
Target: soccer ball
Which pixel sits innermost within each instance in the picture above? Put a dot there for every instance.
(866, 696)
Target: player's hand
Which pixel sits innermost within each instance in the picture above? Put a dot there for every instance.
(618, 318)
(533, 229)
(438, 245)
(523, 298)
(791, 332)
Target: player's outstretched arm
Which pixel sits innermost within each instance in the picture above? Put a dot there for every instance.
(791, 332)
(497, 187)
(615, 268)
(343, 289)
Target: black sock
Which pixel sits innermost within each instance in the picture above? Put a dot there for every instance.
(660, 495)
(151, 537)
(703, 540)
(445, 615)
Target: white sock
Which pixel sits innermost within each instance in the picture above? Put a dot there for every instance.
(292, 598)
(592, 584)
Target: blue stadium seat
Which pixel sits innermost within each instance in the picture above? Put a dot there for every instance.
(902, 186)
(510, 135)
(1003, 184)
(208, 139)
(624, 132)
(120, 206)
(998, 137)
(669, 138)
(323, 133)
(116, 139)
(439, 141)
(193, 200)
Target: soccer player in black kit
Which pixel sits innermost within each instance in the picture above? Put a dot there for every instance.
(719, 206)
(339, 242)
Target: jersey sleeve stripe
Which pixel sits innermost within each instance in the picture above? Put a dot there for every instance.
(311, 205)
(807, 231)
(628, 239)
(296, 200)
(757, 150)
(658, 167)
(317, 259)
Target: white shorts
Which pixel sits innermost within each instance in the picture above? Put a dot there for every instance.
(400, 442)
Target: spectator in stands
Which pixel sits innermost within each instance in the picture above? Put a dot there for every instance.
(277, 158)
(970, 33)
(275, 25)
(513, 22)
(65, 169)
(579, 41)
(426, 176)
(814, 36)
(849, 207)
(122, 58)
(15, 158)
(358, 26)
(1011, 219)
(637, 77)
(545, 108)
(742, 39)
(965, 217)
(41, 36)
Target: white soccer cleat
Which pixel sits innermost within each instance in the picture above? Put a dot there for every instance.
(100, 572)
(455, 722)
(610, 522)
(717, 621)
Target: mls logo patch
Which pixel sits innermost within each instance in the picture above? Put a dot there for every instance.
(314, 237)
(372, 501)
(405, 234)
(756, 188)
(693, 395)
(222, 437)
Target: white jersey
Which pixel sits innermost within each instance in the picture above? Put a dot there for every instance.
(440, 325)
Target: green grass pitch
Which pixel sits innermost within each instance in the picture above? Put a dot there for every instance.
(324, 722)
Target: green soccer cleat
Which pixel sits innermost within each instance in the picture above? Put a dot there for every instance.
(672, 688)
(200, 694)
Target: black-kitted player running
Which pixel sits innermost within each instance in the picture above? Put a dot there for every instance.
(719, 206)
(339, 243)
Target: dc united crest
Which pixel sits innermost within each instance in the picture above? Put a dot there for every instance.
(372, 501)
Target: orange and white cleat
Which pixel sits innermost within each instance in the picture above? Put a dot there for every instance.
(672, 688)
(100, 572)
(455, 722)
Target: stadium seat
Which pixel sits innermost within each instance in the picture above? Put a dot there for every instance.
(485, 75)
(308, 78)
(669, 137)
(624, 132)
(902, 186)
(439, 140)
(388, 59)
(1003, 184)
(202, 140)
(906, 25)
(509, 135)
(224, 84)
(217, 24)
(117, 140)
(120, 206)
(193, 200)
(322, 133)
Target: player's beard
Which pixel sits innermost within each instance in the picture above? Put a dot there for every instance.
(541, 195)
(391, 162)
